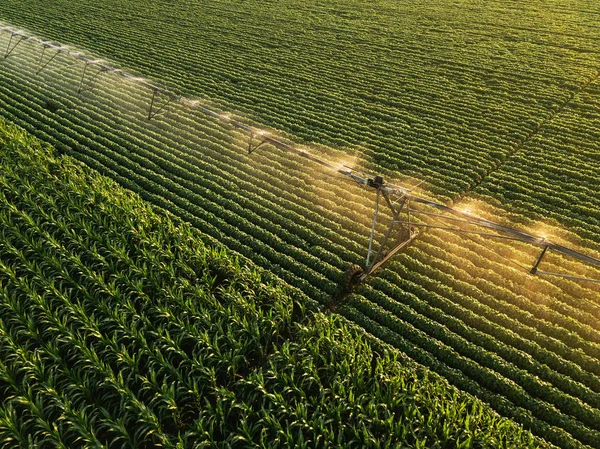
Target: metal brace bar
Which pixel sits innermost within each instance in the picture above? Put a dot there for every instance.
(391, 254)
(567, 276)
(391, 206)
(82, 77)
(151, 104)
(399, 210)
(151, 111)
(539, 260)
(92, 79)
(10, 50)
(252, 149)
(373, 229)
(380, 250)
(83, 85)
(396, 214)
(462, 231)
(60, 69)
(42, 56)
(42, 67)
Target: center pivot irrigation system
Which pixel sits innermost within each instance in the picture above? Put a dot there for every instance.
(409, 213)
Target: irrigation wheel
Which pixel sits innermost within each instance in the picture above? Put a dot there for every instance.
(351, 277)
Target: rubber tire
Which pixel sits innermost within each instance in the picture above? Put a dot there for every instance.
(351, 276)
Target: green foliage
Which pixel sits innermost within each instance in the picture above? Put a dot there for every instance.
(119, 328)
(330, 388)
(118, 325)
(452, 93)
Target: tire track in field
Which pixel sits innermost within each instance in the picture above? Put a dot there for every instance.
(531, 135)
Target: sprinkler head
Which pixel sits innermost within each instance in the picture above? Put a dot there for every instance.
(375, 182)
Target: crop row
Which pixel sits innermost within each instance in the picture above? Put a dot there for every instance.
(416, 345)
(332, 388)
(115, 317)
(561, 167)
(425, 309)
(432, 107)
(548, 303)
(545, 319)
(459, 307)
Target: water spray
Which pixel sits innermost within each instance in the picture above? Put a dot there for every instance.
(410, 213)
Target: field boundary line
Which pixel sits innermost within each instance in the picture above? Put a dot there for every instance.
(520, 146)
